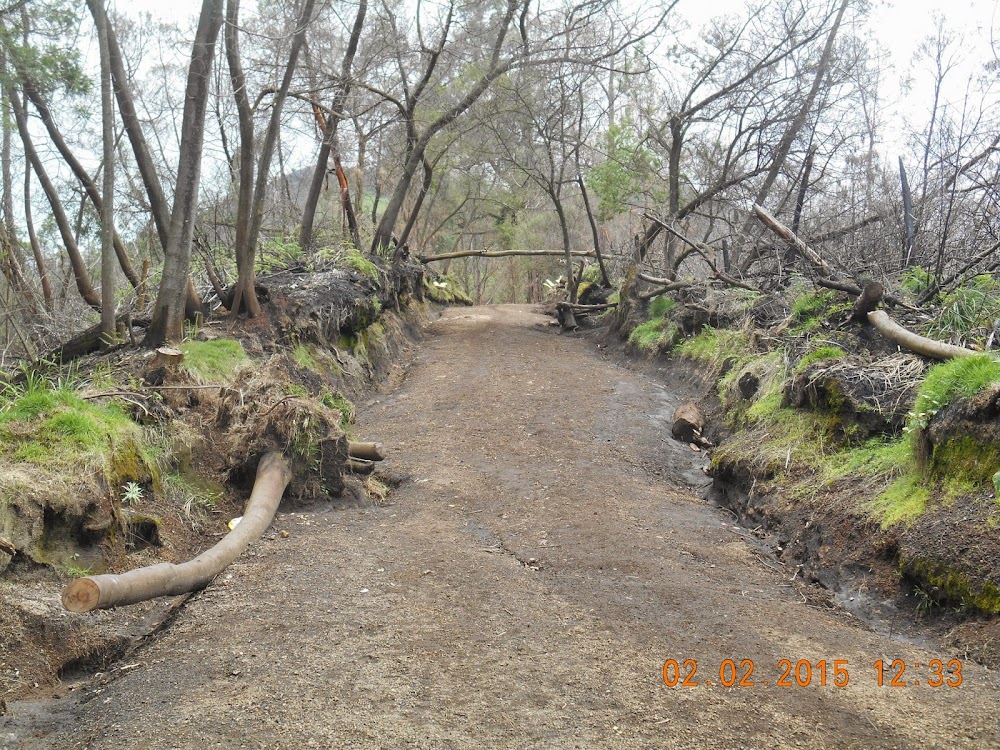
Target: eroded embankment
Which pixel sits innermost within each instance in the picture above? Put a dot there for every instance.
(119, 461)
(863, 468)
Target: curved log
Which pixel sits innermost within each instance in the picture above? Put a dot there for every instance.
(915, 342)
(167, 579)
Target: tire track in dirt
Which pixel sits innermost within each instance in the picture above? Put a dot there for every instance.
(523, 590)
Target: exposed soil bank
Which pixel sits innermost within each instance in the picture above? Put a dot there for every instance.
(291, 393)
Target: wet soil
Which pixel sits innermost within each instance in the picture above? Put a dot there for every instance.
(546, 552)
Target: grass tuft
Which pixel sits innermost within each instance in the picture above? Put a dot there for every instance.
(962, 377)
(213, 361)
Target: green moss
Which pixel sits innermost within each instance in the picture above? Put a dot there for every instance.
(786, 438)
(353, 259)
(654, 335)
(661, 306)
(811, 305)
(659, 333)
(766, 405)
(965, 459)
(214, 360)
(876, 457)
(903, 500)
(445, 290)
(304, 357)
(820, 355)
(713, 346)
(59, 431)
(955, 586)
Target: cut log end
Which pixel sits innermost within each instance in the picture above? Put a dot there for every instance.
(688, 423)
(367, 451)
(83, 595)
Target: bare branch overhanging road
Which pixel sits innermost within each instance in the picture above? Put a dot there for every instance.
(523, 590)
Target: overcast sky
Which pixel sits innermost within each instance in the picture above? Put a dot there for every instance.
(899, 26)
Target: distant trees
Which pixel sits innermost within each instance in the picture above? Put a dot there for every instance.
(450, 126)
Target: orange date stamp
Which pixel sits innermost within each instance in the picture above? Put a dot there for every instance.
(810, 673)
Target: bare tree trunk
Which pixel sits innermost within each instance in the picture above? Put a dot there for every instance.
(89, 186)
(166, 579)
(107, 209)
(169, 309)
(797, 123)
(345, 200)
(246, 239)
(425, 186)
(159, 207)
(915, 342)
(36, 247)
(593, 231)
(330, 131)
(571, 285)
(909, 230)
(80, 275)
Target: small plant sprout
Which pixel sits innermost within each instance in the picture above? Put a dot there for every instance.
(131, 493)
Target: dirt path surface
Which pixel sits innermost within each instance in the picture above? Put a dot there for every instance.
(522, 590)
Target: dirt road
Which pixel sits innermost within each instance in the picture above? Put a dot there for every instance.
(523, 589)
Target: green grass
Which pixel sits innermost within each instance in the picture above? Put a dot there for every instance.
(960, 377)
(445, 290)
(58, 430)
(661, 306)
(659, 333)
(903, 500)
(915, 280)
(969, 312)
(213, 361)
(810, 305)
(341, 403)
(822, 354)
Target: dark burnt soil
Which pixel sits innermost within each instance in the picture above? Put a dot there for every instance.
(546, 553)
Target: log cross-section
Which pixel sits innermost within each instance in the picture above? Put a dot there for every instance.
(167, 579)
(367, 451)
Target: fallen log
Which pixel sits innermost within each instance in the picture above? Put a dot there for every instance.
(167, 579)
(688, 423)
(577, 307)
(503, 254)
(913, 341)
(367, 451)
(827, 277)
(360, 466)
(810, 255)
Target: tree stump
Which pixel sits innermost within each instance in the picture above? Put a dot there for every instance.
(166, 361)
(871, 295)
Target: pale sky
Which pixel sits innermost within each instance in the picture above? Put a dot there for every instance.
(899, 26)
